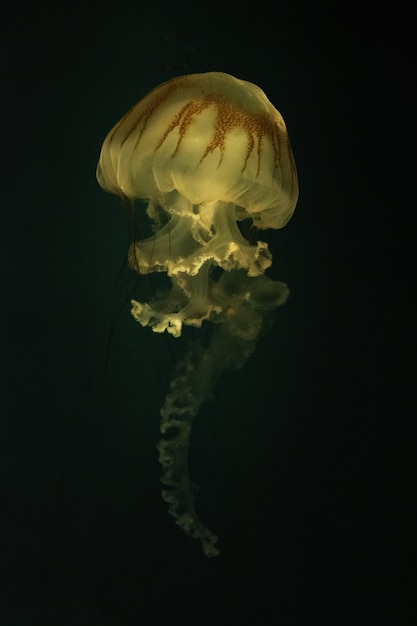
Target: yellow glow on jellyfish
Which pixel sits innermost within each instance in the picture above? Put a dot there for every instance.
(206, 150)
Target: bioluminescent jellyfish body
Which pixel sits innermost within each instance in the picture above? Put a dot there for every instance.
(205, 151)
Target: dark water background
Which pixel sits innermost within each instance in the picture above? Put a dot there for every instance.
(301, 456)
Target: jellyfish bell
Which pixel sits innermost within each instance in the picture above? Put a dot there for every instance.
(207, 151)
(205, 137)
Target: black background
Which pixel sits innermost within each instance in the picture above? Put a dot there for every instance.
(301, 456)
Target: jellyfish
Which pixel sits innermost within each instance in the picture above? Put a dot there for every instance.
(206, 153)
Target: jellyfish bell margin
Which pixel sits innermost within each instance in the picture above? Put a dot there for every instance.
(208, 151)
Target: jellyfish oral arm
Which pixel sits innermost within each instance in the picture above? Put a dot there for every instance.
(190, 302)
(186, 242)
(181, 406)
(246, 305)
